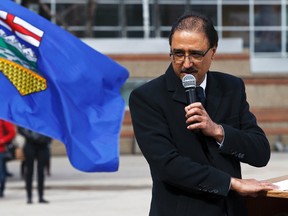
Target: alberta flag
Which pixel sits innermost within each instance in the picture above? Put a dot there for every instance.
(53, 83)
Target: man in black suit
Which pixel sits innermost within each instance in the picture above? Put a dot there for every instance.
(194, 151)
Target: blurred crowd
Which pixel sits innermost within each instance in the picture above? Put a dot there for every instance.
(18, 143)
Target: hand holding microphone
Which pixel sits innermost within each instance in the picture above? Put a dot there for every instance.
(197, 117)
(189, 84)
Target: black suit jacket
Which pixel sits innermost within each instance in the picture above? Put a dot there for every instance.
(191, 174)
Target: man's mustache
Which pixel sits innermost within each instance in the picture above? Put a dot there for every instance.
(189, 70)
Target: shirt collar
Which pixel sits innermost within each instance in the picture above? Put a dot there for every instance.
(204, 83)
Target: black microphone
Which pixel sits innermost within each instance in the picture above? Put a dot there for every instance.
(189, 83)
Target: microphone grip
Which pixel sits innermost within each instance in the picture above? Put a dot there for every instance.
(191, 95)
(191, 98)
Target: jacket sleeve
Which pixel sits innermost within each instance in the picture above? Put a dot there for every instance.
(9, 132)
(244, 139)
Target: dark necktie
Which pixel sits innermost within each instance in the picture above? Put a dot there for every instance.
(200, 95)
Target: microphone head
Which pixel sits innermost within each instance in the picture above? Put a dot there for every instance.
(189, 81)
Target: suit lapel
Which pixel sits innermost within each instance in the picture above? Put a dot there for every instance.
(214, 95)
(174, 85)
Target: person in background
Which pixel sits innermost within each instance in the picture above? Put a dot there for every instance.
(7, 133)
(36, 147)
(194, 150)
(8, 174)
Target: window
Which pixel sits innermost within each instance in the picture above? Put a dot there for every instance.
(267, 41)
(235, 15)
(235, 22)
(169, 13)
(244, 35)
(267, 15)
(71, 14)
(268, 29)
(106, 15)
(134, 15)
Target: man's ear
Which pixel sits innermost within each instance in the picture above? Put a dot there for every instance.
(214, 49)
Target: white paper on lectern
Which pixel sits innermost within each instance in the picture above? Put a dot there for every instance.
(283, 185)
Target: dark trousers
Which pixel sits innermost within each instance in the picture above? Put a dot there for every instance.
(40, 153)
(2, 174)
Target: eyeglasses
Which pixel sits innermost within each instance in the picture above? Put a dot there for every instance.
(196, 56)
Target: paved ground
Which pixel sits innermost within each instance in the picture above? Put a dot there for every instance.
(123, 193)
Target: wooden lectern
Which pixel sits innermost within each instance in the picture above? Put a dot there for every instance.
(271, 203)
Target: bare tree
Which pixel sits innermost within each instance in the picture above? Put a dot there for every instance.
(45, 11)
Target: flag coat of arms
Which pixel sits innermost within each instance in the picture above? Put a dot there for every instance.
(53, 83)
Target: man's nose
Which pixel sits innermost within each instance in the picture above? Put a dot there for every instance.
(187, 63)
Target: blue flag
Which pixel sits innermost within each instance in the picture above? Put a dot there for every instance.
(53, 83)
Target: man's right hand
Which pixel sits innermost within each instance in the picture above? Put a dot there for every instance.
(250, 187)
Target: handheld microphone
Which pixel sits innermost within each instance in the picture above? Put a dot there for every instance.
(189, 84)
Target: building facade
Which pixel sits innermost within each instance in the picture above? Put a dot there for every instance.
(262, 24)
